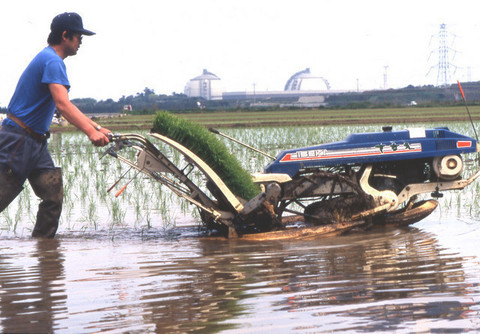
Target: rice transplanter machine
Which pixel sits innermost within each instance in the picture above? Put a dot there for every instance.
(366, 180)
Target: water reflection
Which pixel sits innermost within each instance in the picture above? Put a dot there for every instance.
(389, 280)
(32, 294)
(372, 282)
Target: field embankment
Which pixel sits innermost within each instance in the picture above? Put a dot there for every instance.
(299, 117)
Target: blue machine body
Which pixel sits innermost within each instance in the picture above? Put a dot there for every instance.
(367, 148)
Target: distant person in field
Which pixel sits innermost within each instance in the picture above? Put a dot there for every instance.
(24, 154)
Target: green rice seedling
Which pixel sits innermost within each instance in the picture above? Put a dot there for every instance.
(147, 215)
(185, 207)
(168, 220)
(459, 203)
(18, 216)
(8, 219)
(24, 198)
(138, 209)
(117, 212)
(100, 185)
(204, 144)
(92, 212)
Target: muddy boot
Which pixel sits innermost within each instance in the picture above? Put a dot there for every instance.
(48, 186)
(9, 189)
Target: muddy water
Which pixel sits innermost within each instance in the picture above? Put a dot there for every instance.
(417, 279)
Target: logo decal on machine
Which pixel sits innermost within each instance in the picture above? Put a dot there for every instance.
(321, 154)
(464, 143)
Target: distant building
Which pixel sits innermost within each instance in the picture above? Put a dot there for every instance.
(207, 86)
(310, 82)
(302, 89)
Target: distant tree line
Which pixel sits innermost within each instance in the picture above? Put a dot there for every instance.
(145, 102)
(410, 95)
(148, 101)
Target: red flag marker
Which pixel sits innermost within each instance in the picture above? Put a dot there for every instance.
(461, 90)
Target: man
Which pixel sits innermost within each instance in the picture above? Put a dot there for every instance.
(24, 155)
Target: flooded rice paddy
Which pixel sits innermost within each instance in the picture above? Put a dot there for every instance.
(138, 263)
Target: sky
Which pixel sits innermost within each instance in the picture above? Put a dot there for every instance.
(163, 44)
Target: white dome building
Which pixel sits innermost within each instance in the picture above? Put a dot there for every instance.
(305, 81)
(207, 86)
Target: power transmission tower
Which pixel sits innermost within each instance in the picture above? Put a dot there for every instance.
(443, 66)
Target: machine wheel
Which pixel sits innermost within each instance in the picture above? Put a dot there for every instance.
(336, 210)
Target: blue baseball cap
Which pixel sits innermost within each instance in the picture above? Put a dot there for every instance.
(70, 22)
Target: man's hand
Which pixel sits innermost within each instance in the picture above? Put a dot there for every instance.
(98, 138)
(101, 137)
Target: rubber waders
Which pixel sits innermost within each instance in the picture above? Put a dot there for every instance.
(9, 189)
(48, 186)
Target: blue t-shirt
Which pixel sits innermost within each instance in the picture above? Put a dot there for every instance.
(32, 101)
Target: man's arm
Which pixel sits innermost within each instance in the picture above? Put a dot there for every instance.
(73, 115)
